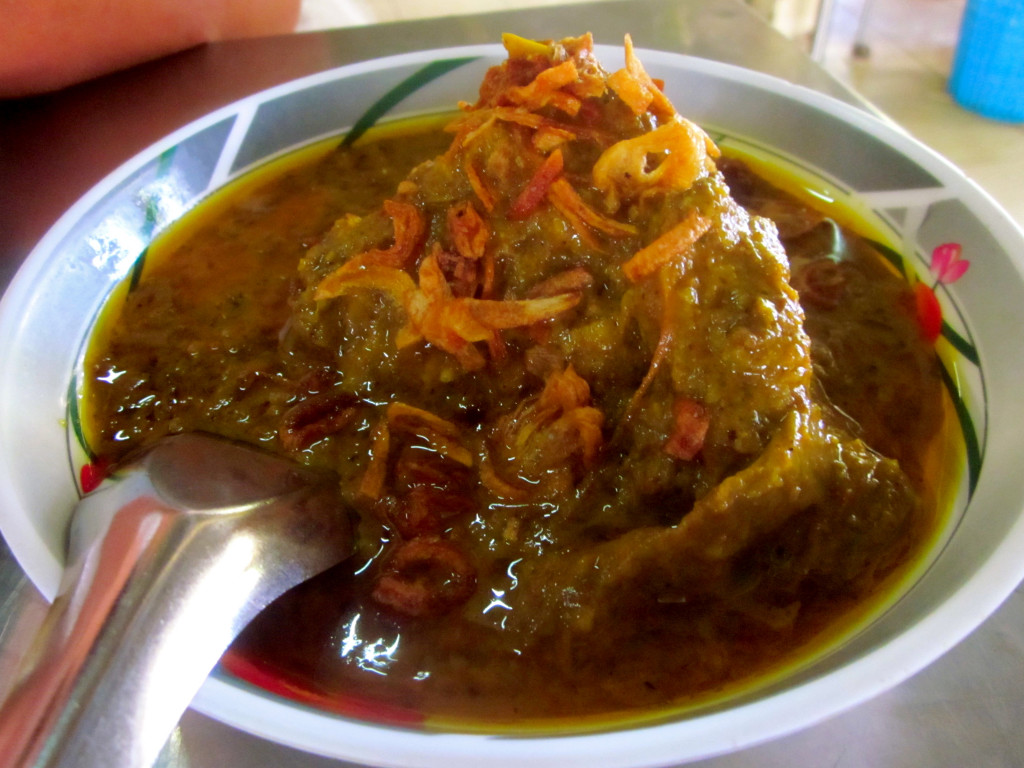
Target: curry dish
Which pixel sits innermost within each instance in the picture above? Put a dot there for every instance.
(624, 424)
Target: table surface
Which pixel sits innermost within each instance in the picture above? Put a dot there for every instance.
(965, 709)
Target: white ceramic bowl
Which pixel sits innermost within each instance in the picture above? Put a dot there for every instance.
(914, 196)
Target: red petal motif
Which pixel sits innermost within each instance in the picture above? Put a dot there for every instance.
(946, 264)
(929, 313)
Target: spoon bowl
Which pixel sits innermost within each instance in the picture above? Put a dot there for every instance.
(175, 552)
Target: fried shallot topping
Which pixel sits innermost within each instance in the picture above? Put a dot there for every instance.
(638, 89)
(673, 246)
(669, 158)
(438, 317)
(547, 441)
(410, 228)
(314, 417)
(425, 577)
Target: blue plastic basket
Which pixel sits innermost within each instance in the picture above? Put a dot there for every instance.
(988, 71)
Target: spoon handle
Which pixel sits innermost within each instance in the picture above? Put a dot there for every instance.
(154, 592)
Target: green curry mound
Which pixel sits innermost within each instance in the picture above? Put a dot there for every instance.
(611, 448)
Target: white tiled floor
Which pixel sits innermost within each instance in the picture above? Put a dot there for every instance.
(911, 42)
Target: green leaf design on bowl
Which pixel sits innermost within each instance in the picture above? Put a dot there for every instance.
(392, 98)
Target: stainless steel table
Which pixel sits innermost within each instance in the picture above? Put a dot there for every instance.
(965, 710)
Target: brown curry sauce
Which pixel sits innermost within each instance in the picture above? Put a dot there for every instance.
(606, 459)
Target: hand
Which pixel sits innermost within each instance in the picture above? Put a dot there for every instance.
(48, 44)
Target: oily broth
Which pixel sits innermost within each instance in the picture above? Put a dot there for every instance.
(217, 262)
(226, 287)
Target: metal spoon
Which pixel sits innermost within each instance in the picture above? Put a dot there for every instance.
(167, 562)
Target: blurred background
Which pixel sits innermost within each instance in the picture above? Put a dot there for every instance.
(898, 54)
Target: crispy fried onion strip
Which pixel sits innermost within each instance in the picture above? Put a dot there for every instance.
(552, 430)
(671, 246)
(469, 265)
(564, 407)
(548, 183)
(470, 126)
(546, 89)
(666, 337)
(638, 89)
(625, 170)
(562, 86)
(582, 217)
(409, 231)
(548, 137)
(468, 231)
(441, 435)
(480, 186)
(434, 315)
(537, 187)
(548, 133)
(473, 125)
